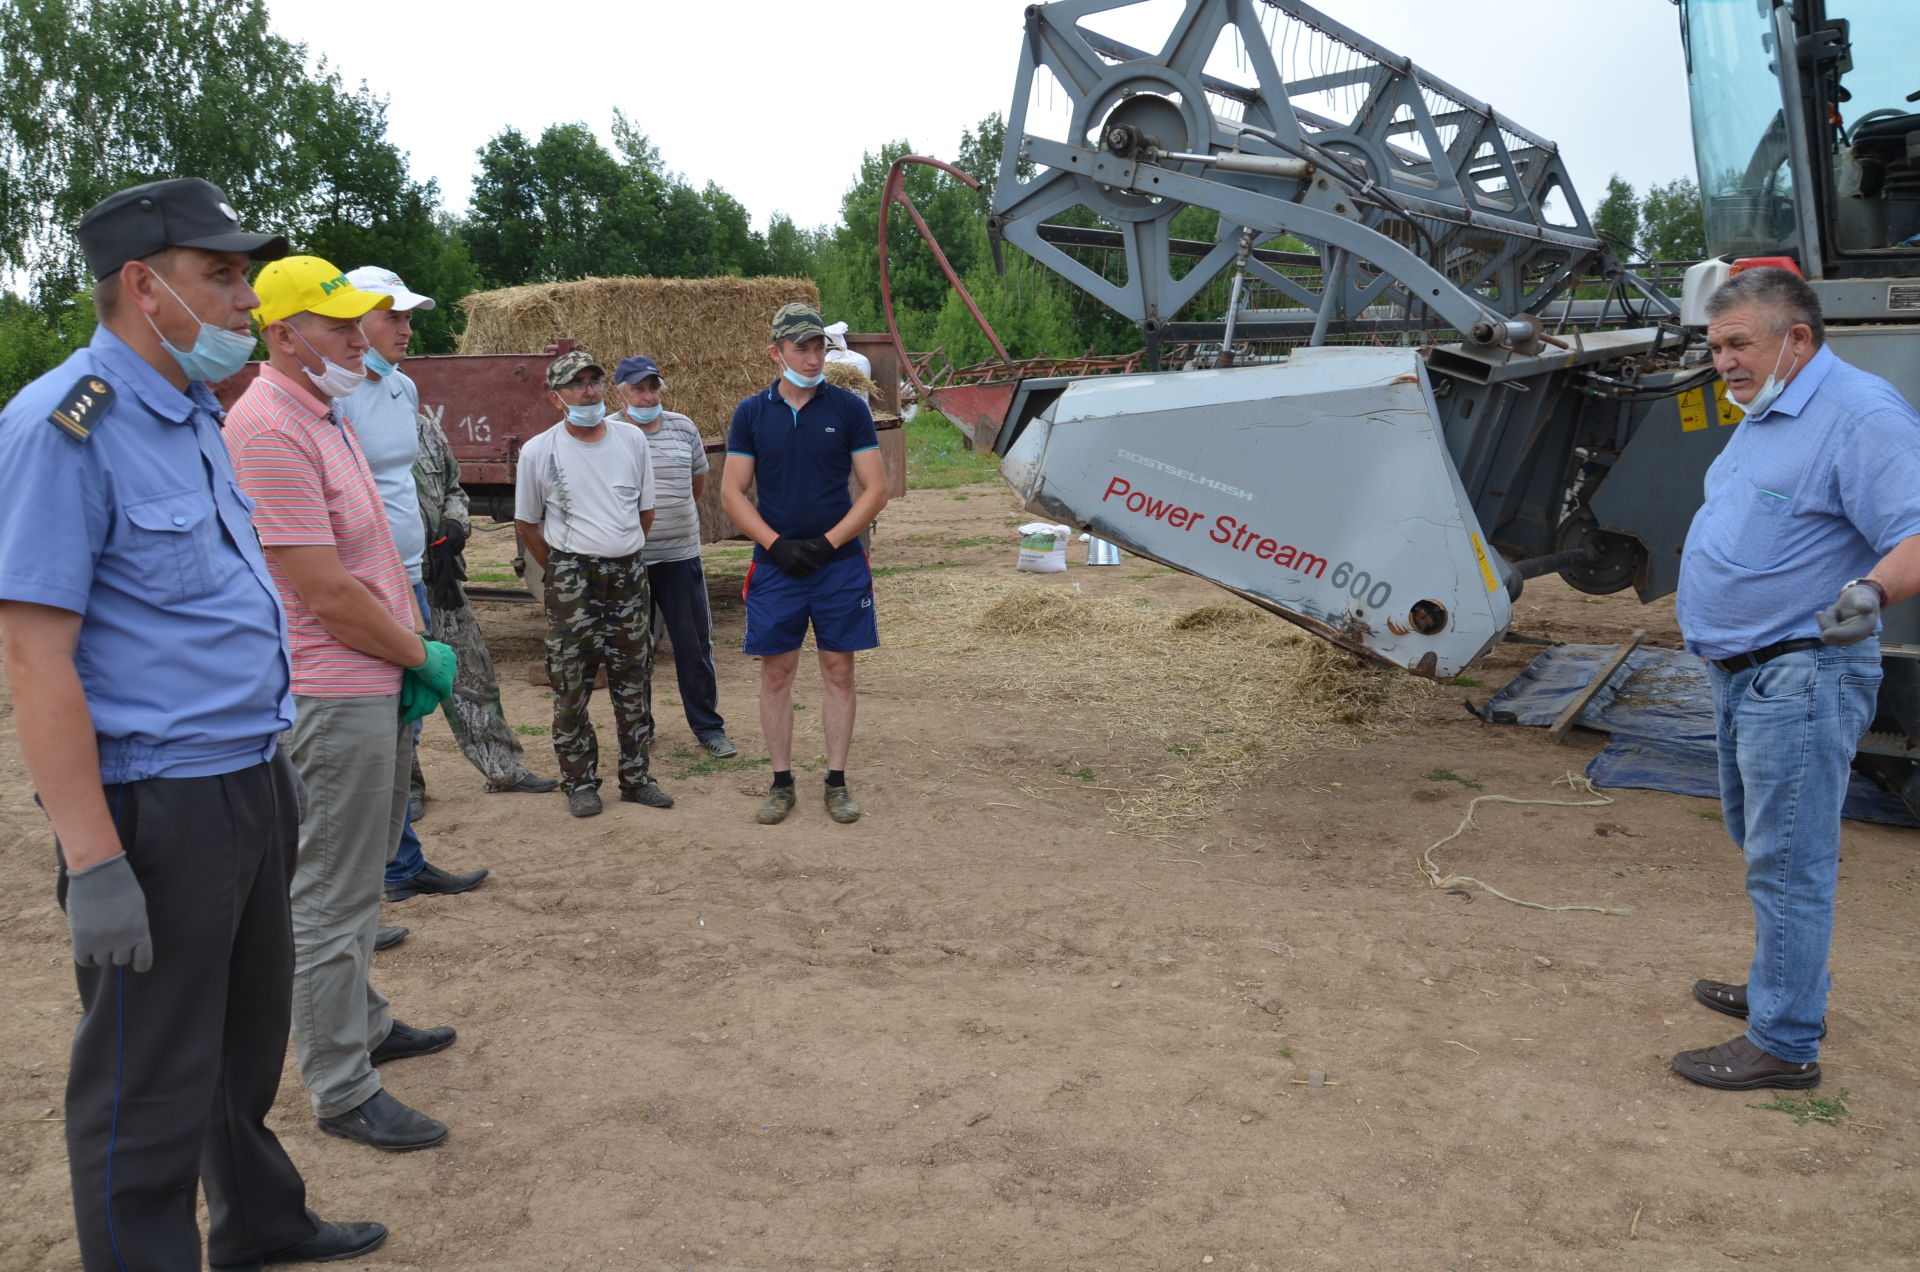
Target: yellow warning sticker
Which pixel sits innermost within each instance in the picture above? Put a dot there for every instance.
(1693, 410)
(1486, 566)
(1730, 412)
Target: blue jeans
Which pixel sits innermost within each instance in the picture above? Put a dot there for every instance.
(408, 860)
(1787, 730)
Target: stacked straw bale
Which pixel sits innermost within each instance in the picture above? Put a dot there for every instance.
(709, 335)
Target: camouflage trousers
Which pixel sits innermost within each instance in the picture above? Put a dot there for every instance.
(599, 614)
(474, 713)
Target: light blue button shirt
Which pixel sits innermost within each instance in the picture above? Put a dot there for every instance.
(1807, 495)
(141, 530)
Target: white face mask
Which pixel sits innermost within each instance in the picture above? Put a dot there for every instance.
(332, 380)
(1769, 390)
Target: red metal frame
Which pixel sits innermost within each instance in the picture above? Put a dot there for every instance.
(893, 191)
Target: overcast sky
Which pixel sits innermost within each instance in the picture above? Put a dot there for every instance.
(777, 101)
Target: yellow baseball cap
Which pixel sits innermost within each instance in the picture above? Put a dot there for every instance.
(306, 284)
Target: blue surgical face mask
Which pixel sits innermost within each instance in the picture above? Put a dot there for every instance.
(216, 354)
(1770, 390)
(644, 414)
(377, 364)
(797, 380)
(588, 416)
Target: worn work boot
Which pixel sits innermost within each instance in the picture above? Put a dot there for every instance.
(840, 805)
(647, 792)
(525, 784)
(404, 1042)
(719, 745)
(583, 801)
(388, 937)
(780, 801)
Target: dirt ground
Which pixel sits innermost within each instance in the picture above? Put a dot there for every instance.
(982, 1030)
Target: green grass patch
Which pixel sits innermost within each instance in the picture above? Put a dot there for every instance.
(493, 576)
(729, 554)
(1831, 1109)
(937, 455)
(687, 762)
(1714, 814)
(1468, 682)
(531, 730)
(1448, 775)
(1083, 773)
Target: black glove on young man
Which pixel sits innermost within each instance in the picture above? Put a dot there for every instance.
(798, 557)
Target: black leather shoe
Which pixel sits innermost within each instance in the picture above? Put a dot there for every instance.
(1730, 1000)
(1740, 1066)
(388, 937)
(432, 879)
(332, 1243)
(648, 792)
(404, 1042)
(526, 784)
(384, 1123)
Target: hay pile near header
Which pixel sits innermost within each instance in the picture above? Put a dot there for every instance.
(1210, 700)
(709, 335)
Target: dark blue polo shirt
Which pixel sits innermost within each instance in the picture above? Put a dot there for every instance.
(803, 459)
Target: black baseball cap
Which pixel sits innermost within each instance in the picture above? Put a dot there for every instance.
(182, 212)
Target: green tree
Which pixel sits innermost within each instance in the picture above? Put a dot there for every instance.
(1617, 220)
(1673, 226)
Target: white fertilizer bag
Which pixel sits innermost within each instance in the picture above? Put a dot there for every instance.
(1043, 547)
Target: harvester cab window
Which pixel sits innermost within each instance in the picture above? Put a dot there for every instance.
(1739, 133)
(1876, 145)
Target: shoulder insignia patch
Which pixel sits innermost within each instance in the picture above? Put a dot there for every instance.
(82, 407)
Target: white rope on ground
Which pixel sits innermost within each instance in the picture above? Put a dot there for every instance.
(1571, 780)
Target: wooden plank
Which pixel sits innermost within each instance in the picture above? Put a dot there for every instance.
(1565, 722)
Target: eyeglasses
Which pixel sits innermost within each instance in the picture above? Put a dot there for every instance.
(592, 385)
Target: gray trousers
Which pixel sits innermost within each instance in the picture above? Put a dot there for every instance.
(353, 755)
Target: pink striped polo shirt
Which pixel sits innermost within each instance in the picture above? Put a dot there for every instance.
(310, 485)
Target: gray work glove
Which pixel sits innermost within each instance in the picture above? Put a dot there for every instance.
(107, 913)
(1851, 618)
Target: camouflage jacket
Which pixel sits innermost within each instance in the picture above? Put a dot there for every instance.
(436, 475)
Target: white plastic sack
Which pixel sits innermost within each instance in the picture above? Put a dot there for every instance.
(1043, 547)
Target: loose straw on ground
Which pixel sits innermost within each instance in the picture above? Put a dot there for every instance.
(1572, 781)
(1213, 697)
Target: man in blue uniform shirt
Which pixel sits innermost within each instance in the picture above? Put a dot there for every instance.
(1817, 493)
(146, 652)
(802, 438)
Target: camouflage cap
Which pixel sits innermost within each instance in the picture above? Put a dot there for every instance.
(797, 321)
(569, 364)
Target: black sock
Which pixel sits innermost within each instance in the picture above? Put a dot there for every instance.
(782, 778)
(836, 777)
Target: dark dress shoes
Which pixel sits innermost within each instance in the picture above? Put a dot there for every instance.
(403, 1042)
(386, 1124)
(332, 1243)
(432, 880)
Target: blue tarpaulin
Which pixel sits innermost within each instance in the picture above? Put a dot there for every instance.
(1657, 711)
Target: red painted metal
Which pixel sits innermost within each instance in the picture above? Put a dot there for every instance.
(978, 410)
(893, 191)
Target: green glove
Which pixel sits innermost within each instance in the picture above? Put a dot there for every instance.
(436, 670)
(417, 700)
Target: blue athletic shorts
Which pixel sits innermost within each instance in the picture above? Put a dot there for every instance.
(837, 598)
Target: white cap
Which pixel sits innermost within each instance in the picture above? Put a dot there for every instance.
(384, 282)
